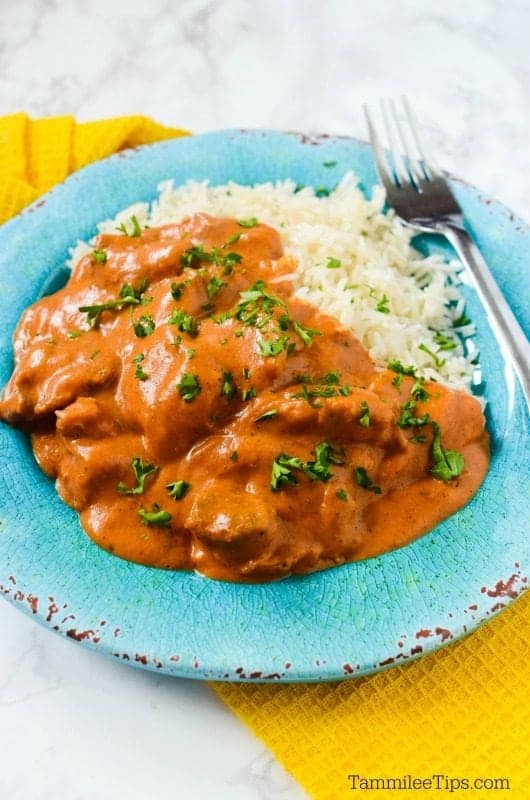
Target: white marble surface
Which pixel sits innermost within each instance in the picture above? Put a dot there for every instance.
(73, 725)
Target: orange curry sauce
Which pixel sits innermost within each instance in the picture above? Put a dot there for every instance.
(209, 420)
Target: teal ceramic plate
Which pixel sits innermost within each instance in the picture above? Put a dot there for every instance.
(347, 621)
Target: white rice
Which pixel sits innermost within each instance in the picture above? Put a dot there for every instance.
(376, 259)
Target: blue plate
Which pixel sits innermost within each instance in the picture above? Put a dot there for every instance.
(347, 621)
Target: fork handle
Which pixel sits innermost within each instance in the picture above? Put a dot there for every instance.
(513, 342)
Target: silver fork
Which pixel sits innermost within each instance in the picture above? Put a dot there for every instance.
(420, 195)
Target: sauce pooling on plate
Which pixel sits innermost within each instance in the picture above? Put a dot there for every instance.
(198, 416)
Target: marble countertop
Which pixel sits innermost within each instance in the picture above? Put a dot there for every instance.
(72, 724)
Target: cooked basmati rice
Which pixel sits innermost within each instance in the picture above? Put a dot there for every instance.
(390, 296)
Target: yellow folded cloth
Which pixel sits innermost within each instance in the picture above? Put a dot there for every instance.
(462, 714)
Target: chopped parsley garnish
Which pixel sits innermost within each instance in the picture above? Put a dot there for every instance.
(228, 387)
(322, 192)
(329, 163)
(283, 466)
(325, 454)
(333, 263)
(418, 391)
(234, 456)
(267, 415)
(246, 373)
(326, 386)
(74, 334)
(189, 387)
(447, 464)
(365, 482)
(142, 470)
(184, 322)
(257, 305)
(382, 305)
(144, 326)
(331, 378)
(282, 471)
(157, 516)
(213, 286)
(444, 342)
(195, 256)
(177, 289)
(232, 239)
(251, 222)
(341, 494)
(128, 296)
(138, 372)
(191, 353)
(248, 394)
(407, 419)
(178, 489)
(224, 340)
(136, 229)
(364, 419)
(461, 321)
(306, 334)
(99, 256)
(438, 362)
(397, 366)
(418, 439)
(274, 348)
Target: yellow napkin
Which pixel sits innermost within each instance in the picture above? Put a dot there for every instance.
(462, 713)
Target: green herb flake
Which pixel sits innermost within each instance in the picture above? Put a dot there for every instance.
(74, 334)
(329, 163)
(444, 342)
(213, 286)
(325, 454)
(271, 348)
(248, 394)
(189, 387)
(99, 256)
(157, 516)
(418, 391)
(224, 340)
(333, 263)
(447, 464)
(461, 321)
(438, 362)
(184, 322)
(246, 373)
(178, 489)
(138, 372)
(144, 326)
(232, 239)
(418, 439)
(128, 296)
(228, 387)
(141, 470)
(365, 482)
(234, 456)
(136, 229)
(251, 222)
(306, 334)
(364, 419)
(177, 289)
(330, 378)
(407, 419)
(282, 471)
(382, 305)
(341, 494)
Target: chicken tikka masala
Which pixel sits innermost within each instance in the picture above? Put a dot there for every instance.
(199, 416)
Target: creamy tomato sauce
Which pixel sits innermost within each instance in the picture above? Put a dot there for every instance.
(197, 416)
